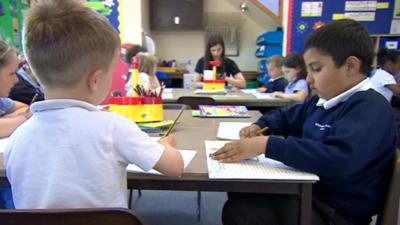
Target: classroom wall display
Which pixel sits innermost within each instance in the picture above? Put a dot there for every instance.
(108, 8)
(305, 16)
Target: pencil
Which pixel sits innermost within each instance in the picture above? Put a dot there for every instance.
(34, 98)
(175, 121)
(261, 131)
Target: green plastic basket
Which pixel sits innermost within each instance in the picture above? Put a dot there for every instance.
(251, 84)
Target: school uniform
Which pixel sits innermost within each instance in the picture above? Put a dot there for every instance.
(71, 155)
(348, 141)
(297, 85)
(276, 84)
(379, 80)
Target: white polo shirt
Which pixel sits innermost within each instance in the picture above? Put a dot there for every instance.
(379, 80)
(71, 155)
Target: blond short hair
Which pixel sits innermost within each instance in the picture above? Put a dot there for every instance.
(276, 60)
(5, 52)
(147, 63)
(63, 40)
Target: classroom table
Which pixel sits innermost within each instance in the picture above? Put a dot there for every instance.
(233, 97)
(191, 133)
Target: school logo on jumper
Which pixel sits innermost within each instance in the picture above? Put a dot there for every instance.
(322, 126)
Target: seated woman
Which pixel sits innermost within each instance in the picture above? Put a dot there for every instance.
(228, 70)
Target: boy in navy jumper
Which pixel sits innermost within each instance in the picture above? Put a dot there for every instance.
(346, 135)
(277, 82)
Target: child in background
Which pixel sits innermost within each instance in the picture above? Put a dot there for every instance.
(295, 70)
(383, 80)
(12, 113)
(81, 153)
(147, 73)
(277, 81)
(346, 135)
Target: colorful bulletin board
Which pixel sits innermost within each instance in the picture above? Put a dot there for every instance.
(108, 8)
(379, 17)
(11, 20)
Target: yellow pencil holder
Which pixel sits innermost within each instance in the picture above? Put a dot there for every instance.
(138, 109)
(213, 85)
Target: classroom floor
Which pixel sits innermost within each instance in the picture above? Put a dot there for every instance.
(178, 207)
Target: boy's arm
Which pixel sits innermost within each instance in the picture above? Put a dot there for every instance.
(135, 146)
(343, 147)
(286, 121)
(9, 123)
(169, 155)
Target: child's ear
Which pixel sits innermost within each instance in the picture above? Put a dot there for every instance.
(353, 66)
(93, 79)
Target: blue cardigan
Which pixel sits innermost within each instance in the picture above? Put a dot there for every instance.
(350, 147)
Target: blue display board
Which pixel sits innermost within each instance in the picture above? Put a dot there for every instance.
(299, 26)
(108, 8)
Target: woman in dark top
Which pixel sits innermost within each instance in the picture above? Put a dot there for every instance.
(228, 70)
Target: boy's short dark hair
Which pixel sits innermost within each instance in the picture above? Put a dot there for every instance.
(341, 39)
(64, 40)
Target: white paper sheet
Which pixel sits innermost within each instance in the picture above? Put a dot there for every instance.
(263, 96)
(187, 156)
(250, 91)
(259, 168)
(230, 130)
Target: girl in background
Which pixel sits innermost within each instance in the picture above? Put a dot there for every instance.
(147, 73)
(295, 70)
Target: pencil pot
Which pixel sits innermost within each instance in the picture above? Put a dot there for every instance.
(213, 85)
(150, 110)
(132, 106)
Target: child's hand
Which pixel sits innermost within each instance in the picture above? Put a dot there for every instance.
(168, 140)
(229, 79)
(239, 150)
(250, 131)
(262, 89)
(277, 94)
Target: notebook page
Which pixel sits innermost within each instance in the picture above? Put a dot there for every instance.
(258, 168)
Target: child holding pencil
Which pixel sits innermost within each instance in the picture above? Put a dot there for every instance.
(346, 135)
(78, 153)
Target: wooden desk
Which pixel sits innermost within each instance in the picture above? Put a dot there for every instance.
(190, 134)
(234, 97)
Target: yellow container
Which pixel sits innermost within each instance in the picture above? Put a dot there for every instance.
(213, 85)
(150, 110)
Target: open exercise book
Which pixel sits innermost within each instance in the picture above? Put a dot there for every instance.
(230, 130)
(223, 111)
(187, 156)
(255, 168)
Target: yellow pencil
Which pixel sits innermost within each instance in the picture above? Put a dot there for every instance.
(34, 98)
(261, 131)
(175, 121)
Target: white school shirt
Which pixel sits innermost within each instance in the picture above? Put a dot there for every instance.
(362, 86)
(379, 80)
(71, 155)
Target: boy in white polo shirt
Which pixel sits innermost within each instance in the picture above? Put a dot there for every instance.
(70, 154)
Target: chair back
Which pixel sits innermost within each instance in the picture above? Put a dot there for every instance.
(390, 211)
(194, 102)
(92, 216)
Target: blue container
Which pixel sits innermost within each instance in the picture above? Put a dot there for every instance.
(268, 51)
(272, 37)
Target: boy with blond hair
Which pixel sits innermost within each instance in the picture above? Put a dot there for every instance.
(70, 154)
(277, 81)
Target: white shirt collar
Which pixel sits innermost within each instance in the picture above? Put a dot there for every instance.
(362, 86)
(55, 104)
(274, 79)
